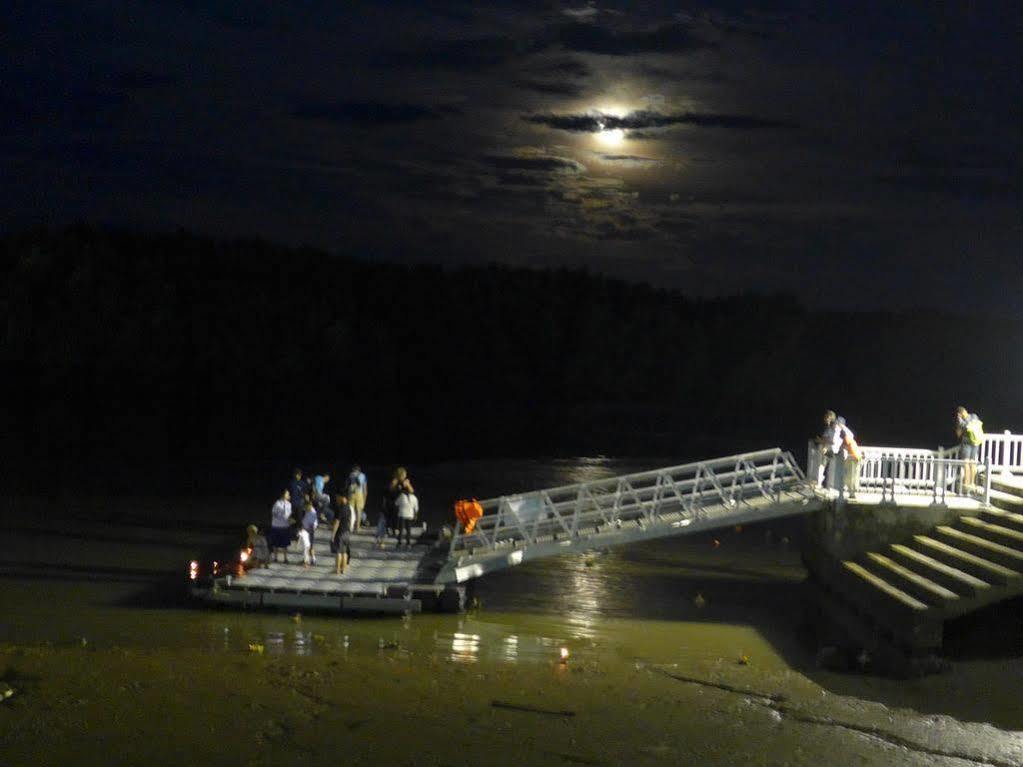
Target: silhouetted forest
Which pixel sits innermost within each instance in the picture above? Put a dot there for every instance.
(125, 349)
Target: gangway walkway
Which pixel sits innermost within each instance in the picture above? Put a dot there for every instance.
(699, 496)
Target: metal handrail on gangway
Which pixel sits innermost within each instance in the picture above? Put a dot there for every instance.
(703, 495)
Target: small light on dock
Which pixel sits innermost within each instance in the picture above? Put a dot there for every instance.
(564, 655)
(193, 570)
(244, 556)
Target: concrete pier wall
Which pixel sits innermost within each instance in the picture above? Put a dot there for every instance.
(846, 530)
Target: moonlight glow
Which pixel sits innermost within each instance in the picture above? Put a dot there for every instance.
(612, 137)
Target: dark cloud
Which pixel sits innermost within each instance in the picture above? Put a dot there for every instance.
(674, 37)
(462, 55)
(594, 122)
(626, 158)
(552, 87)
(140, 79)
(630, 160)
(515, 178)
(566, 66)
(981, 186)
(370, 112)
(535, 162)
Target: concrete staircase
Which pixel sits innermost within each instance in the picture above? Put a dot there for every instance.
(907, 591)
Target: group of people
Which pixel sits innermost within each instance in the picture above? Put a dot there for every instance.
(306, 504)
(838, 446)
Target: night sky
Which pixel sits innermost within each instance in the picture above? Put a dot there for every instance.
(863, 154)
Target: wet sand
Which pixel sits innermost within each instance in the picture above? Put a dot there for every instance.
(78, 705)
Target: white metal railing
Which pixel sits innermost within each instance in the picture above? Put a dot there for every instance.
(1004, 451)
(902, 471)
(572, 511)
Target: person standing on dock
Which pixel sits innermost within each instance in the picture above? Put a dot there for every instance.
(341, 538)
(824, 442)
(400, 483)
(969, 431)
(850, 456)
(838, 443)
(407, 506)
(357, 491)
(299, 487)
(310, 520)
(280, 526)
(320, 483)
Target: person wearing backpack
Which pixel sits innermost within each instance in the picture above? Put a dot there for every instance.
(969, 431)
(357, 490)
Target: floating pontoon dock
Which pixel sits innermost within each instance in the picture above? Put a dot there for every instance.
(388, 580)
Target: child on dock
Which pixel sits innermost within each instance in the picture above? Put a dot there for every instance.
(303, 539)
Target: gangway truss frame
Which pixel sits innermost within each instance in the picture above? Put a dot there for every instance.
(703, 495)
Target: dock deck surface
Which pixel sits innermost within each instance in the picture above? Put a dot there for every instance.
(371, 572)
(385, 579)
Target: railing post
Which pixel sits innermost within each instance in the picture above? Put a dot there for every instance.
(1007, 453)
(987, 480)
(454, 539)
(813, 463)
(888, 478)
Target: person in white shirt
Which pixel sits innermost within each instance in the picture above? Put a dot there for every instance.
(280, 526)
(407, 506)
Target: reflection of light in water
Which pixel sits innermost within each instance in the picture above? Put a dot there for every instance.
(465, 648)
(586, 597)
(511, 648)
(302, 644)
(589, 469)
(275, 642)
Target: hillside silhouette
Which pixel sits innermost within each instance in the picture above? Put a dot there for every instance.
(126, 349)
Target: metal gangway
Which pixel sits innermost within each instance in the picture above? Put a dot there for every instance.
(700, 496)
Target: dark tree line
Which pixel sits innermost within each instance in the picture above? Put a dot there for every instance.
(122, 348)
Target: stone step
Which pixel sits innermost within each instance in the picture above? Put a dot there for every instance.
(1006, 501)
(992, 531)
(912, 583)
(891, 598)
(1004, 517)
(984, 569)
(1010, 485)
(956, 580)
(974, 544)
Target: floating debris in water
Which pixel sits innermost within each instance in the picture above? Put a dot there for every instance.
(743, 659)
(256, 648)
